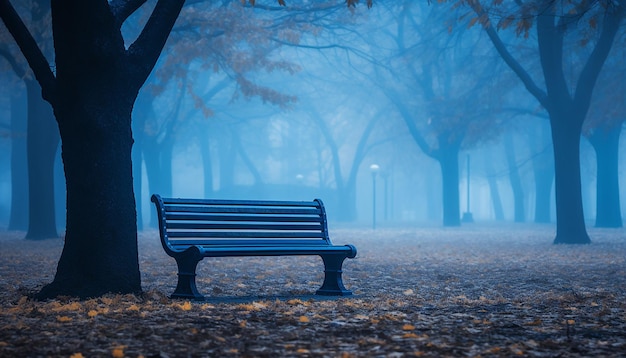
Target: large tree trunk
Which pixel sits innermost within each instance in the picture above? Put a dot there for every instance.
(94, 96)
(605, 142)
(100, 253)
(570, 227)
(92, 91)
(449, 162)
(42, 142)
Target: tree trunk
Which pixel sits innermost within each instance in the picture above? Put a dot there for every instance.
(60, 191)
(151, 157)
(570, 227)
(95, 90)
(516, 183)
(100, 253)
(605, 142)
(166, 155)
(449, 162)
(19, 171)
(227, 155)
(493, 188)
(137, 158)
(42, 142)
(207, 164)
(346, 204)
(543, 170)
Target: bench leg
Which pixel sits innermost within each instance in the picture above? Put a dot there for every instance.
(186, 287)
(333, 284)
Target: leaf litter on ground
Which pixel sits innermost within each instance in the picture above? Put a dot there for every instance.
(469, 291)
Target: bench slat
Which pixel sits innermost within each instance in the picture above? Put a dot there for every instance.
(273, 251)
(235, 234)
(167, 201)
(241, 210)
(249, 243)
(262, 218)
(242, 226)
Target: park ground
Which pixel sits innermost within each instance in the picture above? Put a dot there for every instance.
(470, 291)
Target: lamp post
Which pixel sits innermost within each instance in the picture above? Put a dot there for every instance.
(374, 168)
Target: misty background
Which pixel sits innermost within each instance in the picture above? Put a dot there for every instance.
(254, 103)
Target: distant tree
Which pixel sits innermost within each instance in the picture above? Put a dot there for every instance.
(336, 132)
(543, 169)
(566, 99)
(18, 219)
(436, 94)
(42, 135)
(602, 128)
(519, 214)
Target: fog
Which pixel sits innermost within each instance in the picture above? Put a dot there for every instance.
(302, 110)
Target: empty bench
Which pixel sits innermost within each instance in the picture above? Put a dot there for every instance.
(192, 229)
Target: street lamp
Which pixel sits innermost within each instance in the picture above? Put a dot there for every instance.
(374, 168)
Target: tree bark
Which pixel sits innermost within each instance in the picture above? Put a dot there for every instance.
(605, 142)
(448, 158)
(100, 253)
(566, 145)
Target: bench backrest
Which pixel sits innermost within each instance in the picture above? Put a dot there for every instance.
(186, 222)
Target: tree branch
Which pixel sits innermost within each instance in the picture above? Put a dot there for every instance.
(122, 9)
(31, 51)
(19, 70)
(408, 119)
(589, 74)
(144, 52)
(513, 64)
(550, 41)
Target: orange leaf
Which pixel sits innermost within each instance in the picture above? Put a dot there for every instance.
(118, 352)
(63, 318)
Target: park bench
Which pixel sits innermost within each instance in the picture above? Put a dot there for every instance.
(192, 229)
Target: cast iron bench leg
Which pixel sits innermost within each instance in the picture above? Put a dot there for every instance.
(333, 284)
(186, 287)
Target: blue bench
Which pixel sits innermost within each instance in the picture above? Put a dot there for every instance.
(192, 229)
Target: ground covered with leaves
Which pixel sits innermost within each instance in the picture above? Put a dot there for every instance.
(470, 291)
